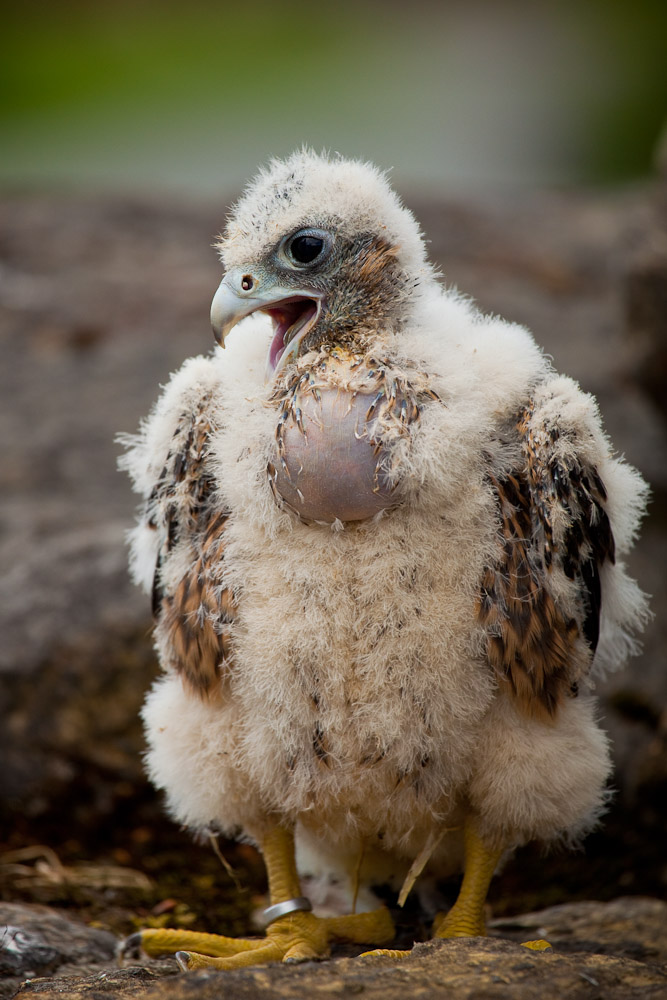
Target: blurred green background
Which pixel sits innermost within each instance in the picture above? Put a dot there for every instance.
(189, 97)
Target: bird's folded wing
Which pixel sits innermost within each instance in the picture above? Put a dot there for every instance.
(193, 610)
(540, 601)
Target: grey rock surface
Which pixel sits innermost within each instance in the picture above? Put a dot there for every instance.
(630, 927)
(36, 941)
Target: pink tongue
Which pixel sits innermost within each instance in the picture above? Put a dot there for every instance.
(278, 344)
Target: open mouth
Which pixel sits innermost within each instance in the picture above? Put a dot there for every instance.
(292, 319)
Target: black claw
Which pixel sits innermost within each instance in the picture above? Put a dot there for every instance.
(130, 947)
(183, 959)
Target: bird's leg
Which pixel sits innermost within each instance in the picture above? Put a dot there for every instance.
(296, 936)
(466, 917)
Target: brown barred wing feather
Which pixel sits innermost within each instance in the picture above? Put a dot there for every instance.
(540, 601)
(193, 611)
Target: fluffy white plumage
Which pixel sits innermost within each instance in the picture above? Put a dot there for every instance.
(372, 682)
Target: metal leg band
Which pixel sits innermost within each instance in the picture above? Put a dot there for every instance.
(272, 913)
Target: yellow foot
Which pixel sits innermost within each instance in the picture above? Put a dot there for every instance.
(466, 917)
(385, 953)
(461, 922)
(296, 937)
(539, 945)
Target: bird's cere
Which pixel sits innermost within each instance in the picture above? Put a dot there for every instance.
(229, 305)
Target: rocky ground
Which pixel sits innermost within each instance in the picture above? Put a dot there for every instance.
(100, 298)
(615, 951)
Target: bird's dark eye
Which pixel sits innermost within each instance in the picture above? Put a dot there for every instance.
(307, 247)
(304, 249)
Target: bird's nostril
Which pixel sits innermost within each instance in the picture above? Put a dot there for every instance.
(247, 281)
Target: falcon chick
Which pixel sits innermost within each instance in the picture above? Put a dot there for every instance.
(384, 541)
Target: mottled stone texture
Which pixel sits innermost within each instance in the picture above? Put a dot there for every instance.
(36, 941)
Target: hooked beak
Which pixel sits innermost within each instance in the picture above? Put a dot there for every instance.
(293, 314)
